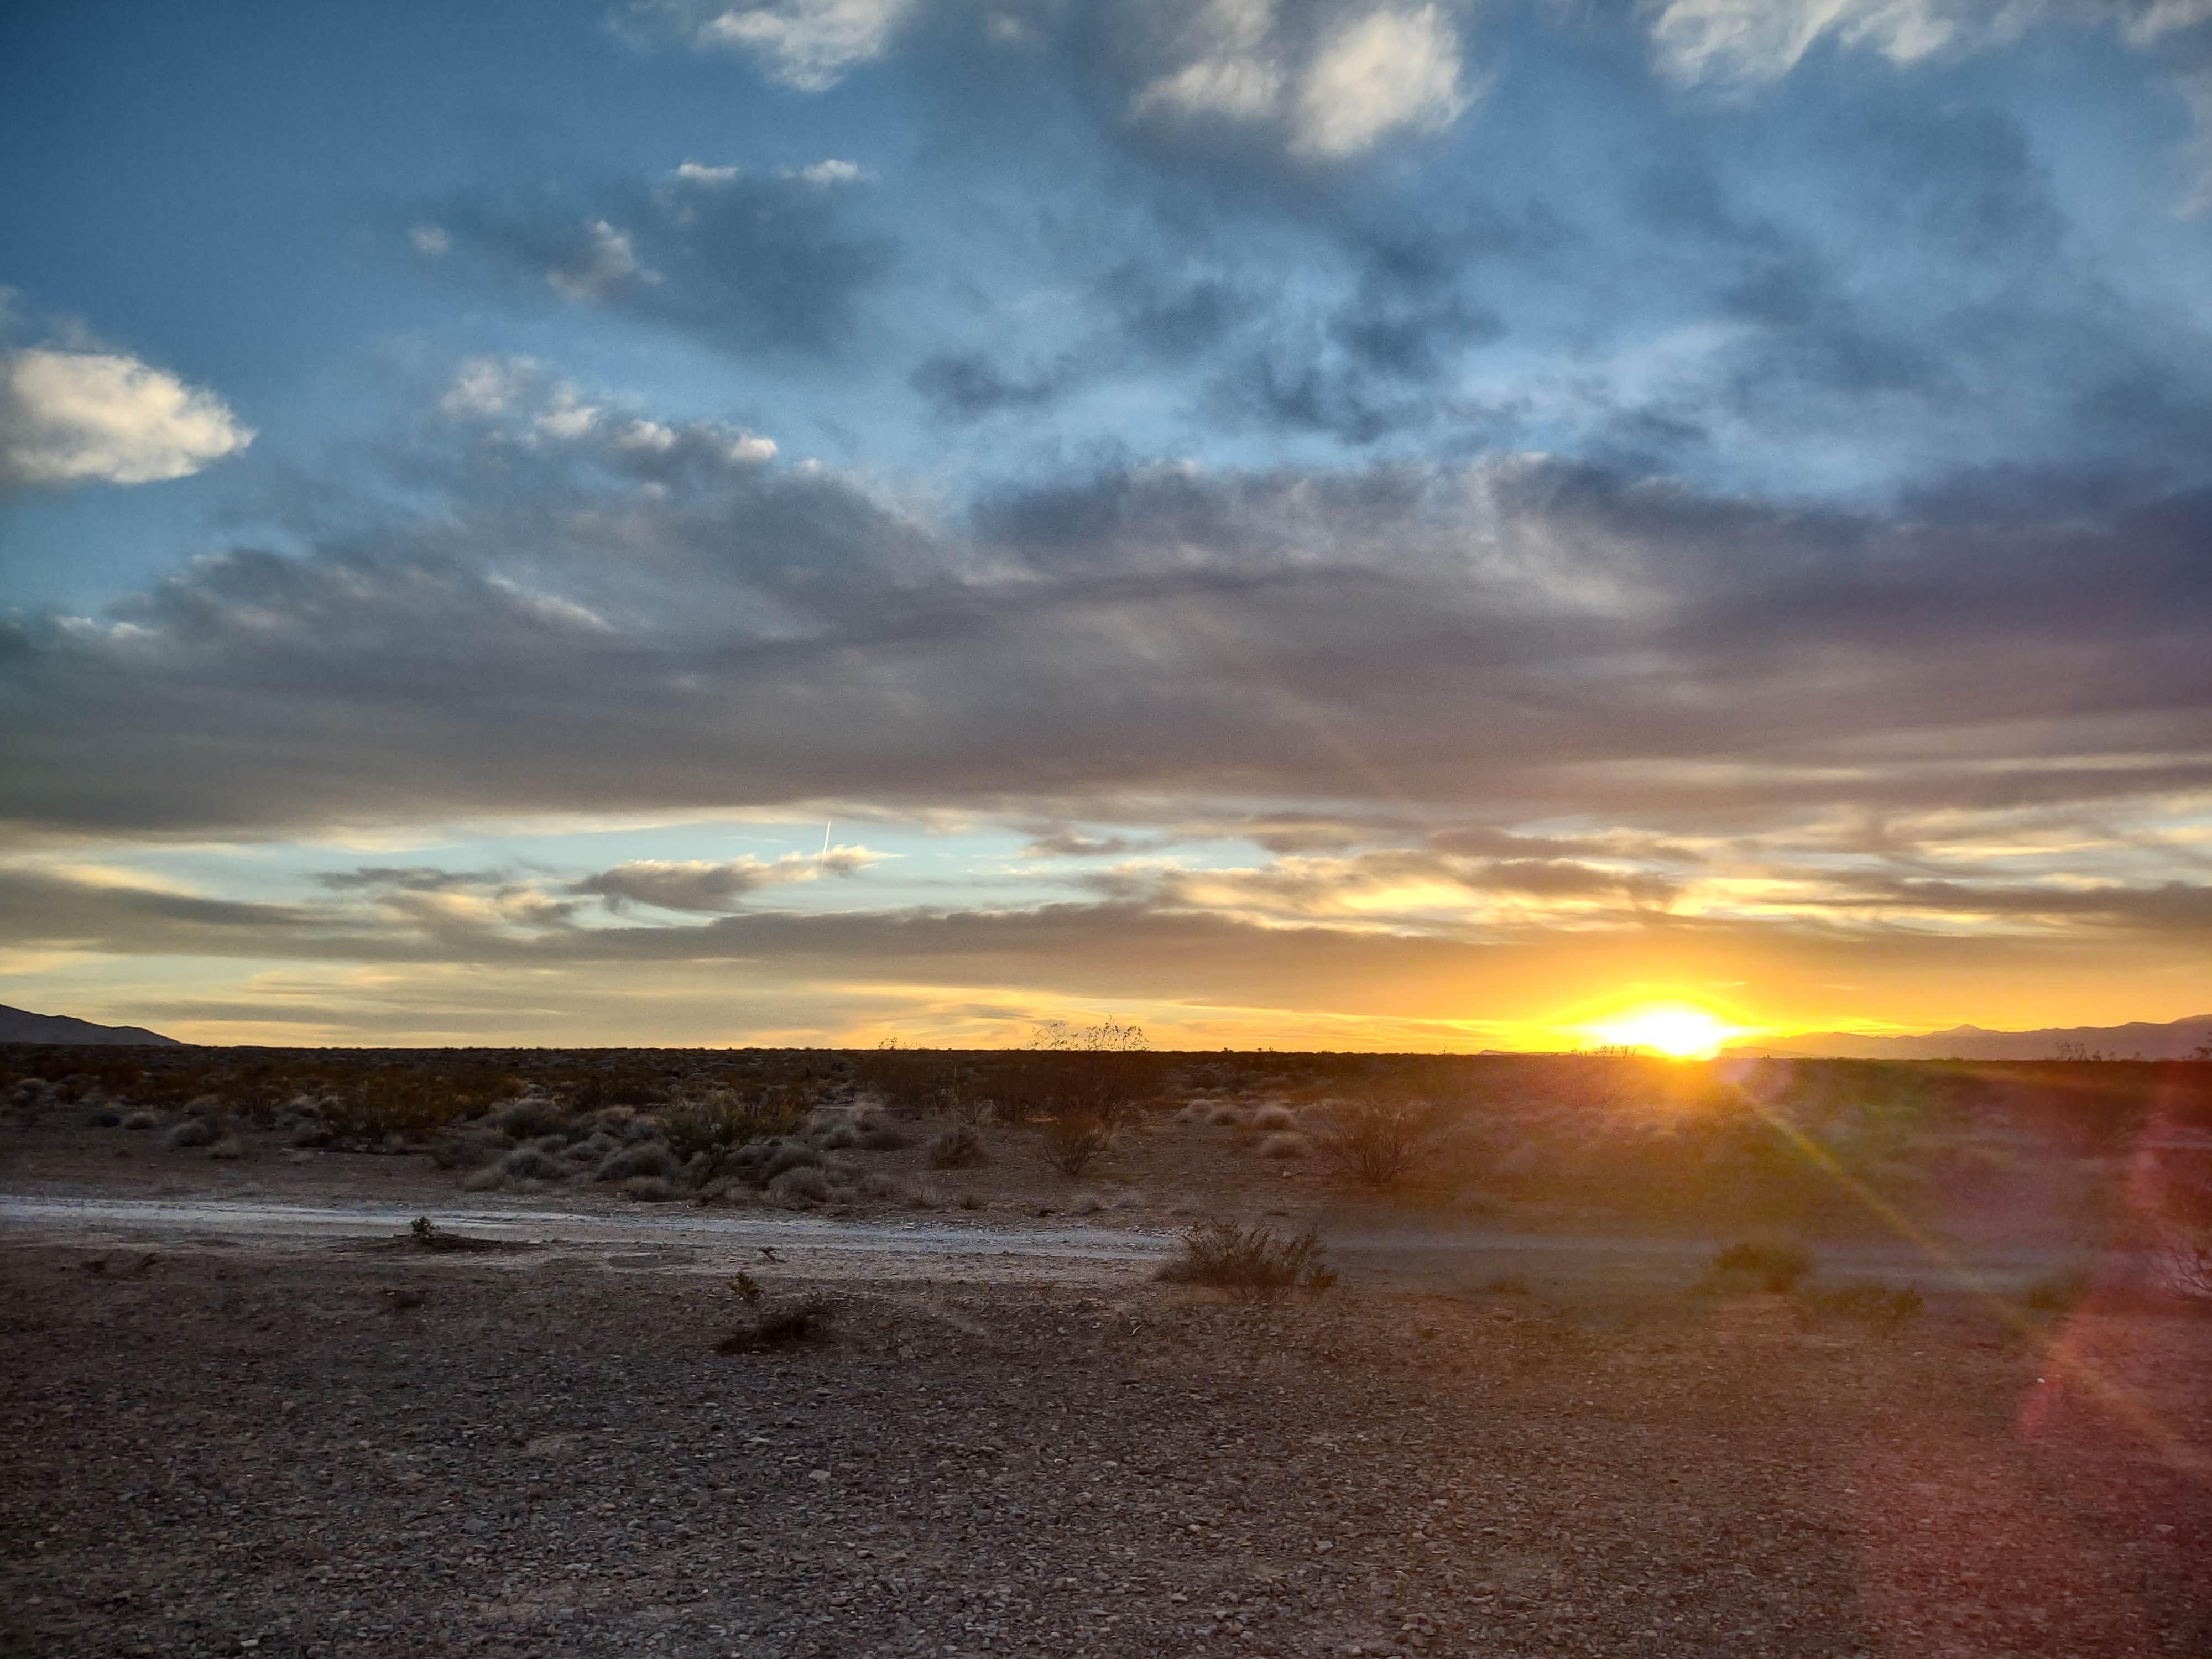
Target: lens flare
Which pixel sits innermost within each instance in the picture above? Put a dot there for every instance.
(1677, 1030)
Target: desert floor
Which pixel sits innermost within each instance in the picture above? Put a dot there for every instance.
(246, 1411)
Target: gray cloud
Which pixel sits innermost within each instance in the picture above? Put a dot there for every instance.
(704, 886)
(739, 259)
(1504, 641)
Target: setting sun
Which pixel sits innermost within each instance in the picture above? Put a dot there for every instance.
(1673, 1029)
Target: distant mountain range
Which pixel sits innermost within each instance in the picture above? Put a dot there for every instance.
(18, 1025)
(2178, 1040)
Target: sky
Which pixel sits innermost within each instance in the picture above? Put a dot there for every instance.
(1342, 524)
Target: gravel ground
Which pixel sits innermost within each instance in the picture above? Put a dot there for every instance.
(218, 1448)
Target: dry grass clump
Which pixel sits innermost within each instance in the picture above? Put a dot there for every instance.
(958, 1148)
(1284, 1145)
(1252, 1263)
(192, 1132)
(142, 1120)
(649, 1189)
(1274, 1118)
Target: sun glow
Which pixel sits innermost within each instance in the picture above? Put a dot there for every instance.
(1677, 1030)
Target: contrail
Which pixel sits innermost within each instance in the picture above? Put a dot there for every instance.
(822, 858)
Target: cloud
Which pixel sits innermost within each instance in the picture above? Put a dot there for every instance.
(697, 885)
(69, 416)
(1379, 73)
(967, 386)
(1337, 92)
(515, 399)
(590, 610)
(738, 258)
(827, 172)
(606, 261)
(1753, 41)
(808, 45)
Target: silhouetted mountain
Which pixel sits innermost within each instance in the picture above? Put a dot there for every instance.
(2179, 1040)
(17, 1025)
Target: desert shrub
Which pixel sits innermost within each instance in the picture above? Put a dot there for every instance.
(883, 1138)
(461, 1148)
(1225, 1116)
(1074, 1137)
(969, 1201)
(1869, 1300)
(143, 1121)
(531, 1116)
(652, 1158)
(1274, 1118)
(784, 1156)
(923, 1196)
(803, 1183)
(835, 1137)
(1253, 1263)
(192, 1132)
(1774, 1265)
(649, 1189)
(2056, 1293)
(1284, 1145)
(528, 1163)
(777, 1322)
(957, 1148)
(721, 1122)
(230, 1148)
(1377, 1139)
(408, 1101)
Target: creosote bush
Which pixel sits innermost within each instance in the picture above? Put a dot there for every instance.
(1376, 1140)
(1255, 1263)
